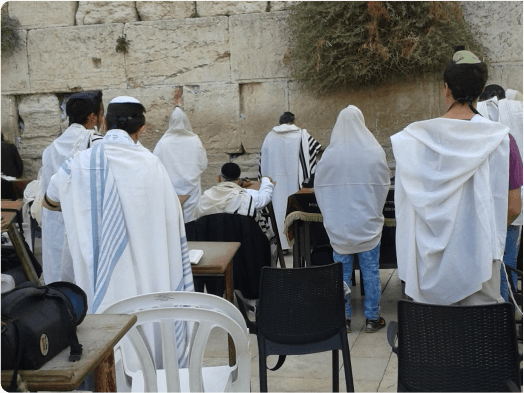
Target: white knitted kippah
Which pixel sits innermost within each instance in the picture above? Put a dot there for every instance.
(125, 100)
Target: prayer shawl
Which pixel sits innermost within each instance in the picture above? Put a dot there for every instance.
(351, 185)
(513, 95)
(124, 224)
(55, 253)
(451, 201)
(288, 156)
(184, 157)
(226, 197)
(509, 113)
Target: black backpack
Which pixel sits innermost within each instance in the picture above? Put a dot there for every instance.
(38, 322)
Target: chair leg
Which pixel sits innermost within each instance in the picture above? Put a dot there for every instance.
(346, 357)
(262, 365)
(336, 387)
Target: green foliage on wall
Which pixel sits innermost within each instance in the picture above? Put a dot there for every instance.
(11, 40)
(344, 44)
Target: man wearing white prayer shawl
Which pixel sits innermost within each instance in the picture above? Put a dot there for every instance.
(288, 156)
(507, 111)
(85, 112)
(185, 159)
(351, 186)
(122, 216)
(451, 196)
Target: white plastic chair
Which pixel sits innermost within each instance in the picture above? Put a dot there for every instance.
(8, 283)
(204, 312)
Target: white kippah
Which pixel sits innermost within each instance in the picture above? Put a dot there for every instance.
(125, 100)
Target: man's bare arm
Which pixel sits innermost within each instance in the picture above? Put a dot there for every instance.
(48, 203)
(514, 205)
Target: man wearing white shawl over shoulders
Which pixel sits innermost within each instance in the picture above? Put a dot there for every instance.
(451, 196)
(122, 216)
(184, 157)
(85, 111)
(496, 106)
(288, 156)
(351, 186)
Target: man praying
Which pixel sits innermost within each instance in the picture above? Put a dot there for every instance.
(122, 216)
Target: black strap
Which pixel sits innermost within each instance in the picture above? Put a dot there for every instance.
(13, 386)
(280, 362)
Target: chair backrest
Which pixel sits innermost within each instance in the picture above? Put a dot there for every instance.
(253, 254)
(202, 310)
(457, 348)
(301, 306)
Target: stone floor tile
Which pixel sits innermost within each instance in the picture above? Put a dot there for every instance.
(371, 345)
(292, 384)
(368, 369)
(317, 365)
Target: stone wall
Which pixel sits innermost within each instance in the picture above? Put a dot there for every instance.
(223, 62)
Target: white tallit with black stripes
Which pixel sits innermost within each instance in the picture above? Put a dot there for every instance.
(288, 156)
(124, 224)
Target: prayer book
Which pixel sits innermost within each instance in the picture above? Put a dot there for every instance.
(195, 255)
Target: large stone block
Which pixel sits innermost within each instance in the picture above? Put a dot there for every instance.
(497, 26)
(387, 108)
(10, 128)
(158, 10)
(40, 114)
(15, 75)
(259, 43)
(507, 75)
(261, 106)
(75, 59)
(169, 52)
(281, 5)
(159, 103)
(215, 8)
(100, 12)
(213, 110)
(42, 14)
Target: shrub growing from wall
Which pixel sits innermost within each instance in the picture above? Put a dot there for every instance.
(339, 45)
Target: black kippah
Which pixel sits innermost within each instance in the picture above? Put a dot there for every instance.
(230, 171)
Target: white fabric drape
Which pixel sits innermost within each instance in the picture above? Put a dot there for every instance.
(288, 156)
(55, 252)
(508, 112)
(185, 159)
(155, 256)
(351, 185)
(451, 201)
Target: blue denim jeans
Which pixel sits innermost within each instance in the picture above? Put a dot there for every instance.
(368, 262)
(510, 259)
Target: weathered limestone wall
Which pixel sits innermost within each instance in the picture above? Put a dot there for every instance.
(224, 63)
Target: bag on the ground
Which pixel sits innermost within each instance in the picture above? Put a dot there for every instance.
(38, 322)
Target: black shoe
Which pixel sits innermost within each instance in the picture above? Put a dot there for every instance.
(373, 325)
(348, 325)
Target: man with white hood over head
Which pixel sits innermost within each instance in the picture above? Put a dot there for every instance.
(351, 186)
(185, 159)
(288, 156)
(122, 216)
(451, 196)
(85, 112)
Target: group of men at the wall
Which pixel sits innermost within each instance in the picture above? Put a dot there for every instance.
(120, 231)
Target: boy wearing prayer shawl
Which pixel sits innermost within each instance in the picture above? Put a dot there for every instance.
(451, 196)
(185, 159)
(351, 186)
(85, 111)
(122, 216)
(288, 156)
(497, 107)
(229, 196)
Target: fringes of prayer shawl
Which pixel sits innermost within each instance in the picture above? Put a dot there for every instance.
(109, 235)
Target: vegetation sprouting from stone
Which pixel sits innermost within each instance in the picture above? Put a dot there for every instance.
(11, 40)
(122, 44)
(339, 45)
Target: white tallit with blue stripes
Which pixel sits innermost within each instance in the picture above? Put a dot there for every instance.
(124, 224)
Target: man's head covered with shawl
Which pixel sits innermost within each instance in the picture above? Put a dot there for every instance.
(179, 124)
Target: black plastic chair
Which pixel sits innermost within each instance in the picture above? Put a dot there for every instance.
(301, 311)
(456, 348)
